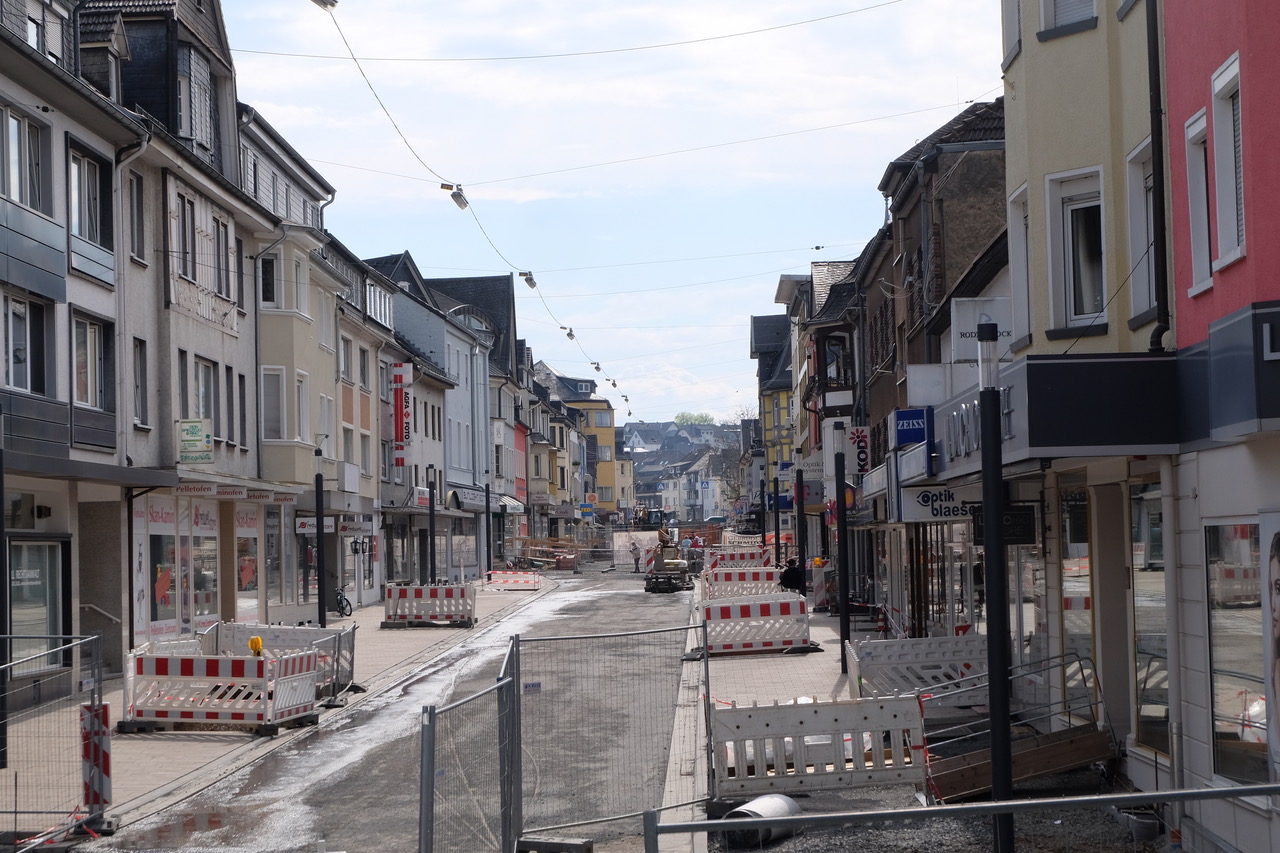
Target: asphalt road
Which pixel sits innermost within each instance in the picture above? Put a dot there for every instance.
(352, 783)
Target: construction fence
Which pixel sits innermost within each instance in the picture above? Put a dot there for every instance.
(54, 740)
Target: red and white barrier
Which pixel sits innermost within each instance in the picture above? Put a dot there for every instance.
(739, 559)
(236, 690)
(95, 757)
(431, 605)
(514, 580)
(757, 623)
(336, 646)
(732, 583)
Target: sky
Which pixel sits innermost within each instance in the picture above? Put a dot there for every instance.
(656, 166)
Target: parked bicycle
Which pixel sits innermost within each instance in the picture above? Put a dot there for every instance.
(341, 604)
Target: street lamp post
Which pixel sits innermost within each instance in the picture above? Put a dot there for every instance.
(431, 525)
(777, 527)
(997, 580)
(842, 554)
(321, 581)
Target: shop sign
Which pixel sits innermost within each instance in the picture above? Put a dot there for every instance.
(307, 526)
(860, 440)
(259, 496)
(247, 520)
(287, 499)
(1017, 521)
(238, 493)
(470, 499)
(931, 503)
(195, 441)
(421, 496)
(540, 498)
(354, 528)
(908, 426)
(204, 517)
(400, 381)
(196, 489)
(587, 510)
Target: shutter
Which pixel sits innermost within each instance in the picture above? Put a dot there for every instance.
(1238, 141)
(1071, 11)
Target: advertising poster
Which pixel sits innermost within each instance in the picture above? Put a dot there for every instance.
(1269, 540)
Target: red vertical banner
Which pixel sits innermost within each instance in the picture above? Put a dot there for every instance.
(404, 411)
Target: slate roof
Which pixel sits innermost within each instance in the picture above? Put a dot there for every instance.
(99, 27)
(495, 296)
(203, 19)
(979, 122)
(770, 336)
(843, 293)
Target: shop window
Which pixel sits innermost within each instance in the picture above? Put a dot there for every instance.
(1150, 630)
(38, 577)
(1235, 654)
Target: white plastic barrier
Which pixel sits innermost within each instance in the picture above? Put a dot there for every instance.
(721, 559)
(453, 604)
(756, 623)
(259, 691)
(729, 583)
(819, 746)
(514, 580)
(950, 669)
(336, 646)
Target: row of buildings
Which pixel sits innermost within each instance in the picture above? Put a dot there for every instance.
(1110, 214)
(211, 408)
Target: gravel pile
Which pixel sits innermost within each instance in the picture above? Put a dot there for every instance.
(1074, 831)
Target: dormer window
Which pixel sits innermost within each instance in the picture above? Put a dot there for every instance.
(195, 97)
(584, 387)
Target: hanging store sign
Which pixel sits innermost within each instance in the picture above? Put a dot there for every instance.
(195, 441)
(400, 381)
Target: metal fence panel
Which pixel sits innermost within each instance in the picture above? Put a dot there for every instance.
(465, 790)
(47, 785)
(596, 721)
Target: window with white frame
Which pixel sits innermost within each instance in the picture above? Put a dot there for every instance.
(1142, 289)
(584, 387)
(605, 453)
(384, 381)
(25, 150)
(385, 461)
(1198, 212)
(273, 416)
(137, 217)
(328, 418)
(1011, 21)
(366, 454)
(268, 282)
(222, 257)
(348, 444)
(302, 402)
(604, 418)
(140, 389)
(1228, 162)
(327, 320)
(24, 338)
(1075, 234)
(300, 286)
(344, 359)
(1060, 13)
(195, 96)
(230, 409)
(88, 205)
(186, 244)
(606, 493)
(206, 380)
(90, 342)
(45, 28)
(363, 366)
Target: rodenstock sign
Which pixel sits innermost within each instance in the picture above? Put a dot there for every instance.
(936, 504)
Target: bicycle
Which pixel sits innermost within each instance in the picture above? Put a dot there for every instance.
(342, 604)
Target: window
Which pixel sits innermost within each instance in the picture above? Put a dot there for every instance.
(606, 493)
(1011, 21)
(222, 257)
(231, 405)
(1150, 640)
(364, 368)
(605, 453)
(267, 283)
(1236, 673)
(1075, 234)
(604, 419)
(244, 409)
(36, 606)
(1063, 12)
(25, 144)
(348, 444)
(87, 205)
(239, 261)
(186, 237)
(90, 363)
(584, 387)
(184, 405)
(45, 30)
(302, 403)
(366, 454)
(1198, 215)
(328, 415)
(325, 322)
(344, 359)
(384, 381)
(139, 381)
(206, 377)
(195, 97)
(497, 460)
(1142, 286)
(300, 286)
(273, 418)
(137, 217)
(24, 331)
(386, 461)
(1228, 164)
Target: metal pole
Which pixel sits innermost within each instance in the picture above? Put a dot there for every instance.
(426, 784)
(842, 557)
(997, 580)
(764, 536)
(802, 543)
(777, 527)
(322, 581)
(431, 525)
(488, 532)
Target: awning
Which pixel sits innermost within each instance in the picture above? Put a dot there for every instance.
(512, 506)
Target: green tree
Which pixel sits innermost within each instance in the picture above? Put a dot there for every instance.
(686, 418)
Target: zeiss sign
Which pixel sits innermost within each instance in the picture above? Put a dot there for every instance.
(935, 504)
(910, 426)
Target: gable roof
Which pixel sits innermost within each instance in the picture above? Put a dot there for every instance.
(977, 123)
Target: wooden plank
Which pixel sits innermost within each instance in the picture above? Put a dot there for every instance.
(970, 774)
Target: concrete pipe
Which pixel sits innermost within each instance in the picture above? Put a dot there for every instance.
(770, 805)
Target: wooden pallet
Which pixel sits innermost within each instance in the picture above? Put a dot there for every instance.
(963, 776)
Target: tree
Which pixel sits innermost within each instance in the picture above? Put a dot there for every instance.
(686, 418)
